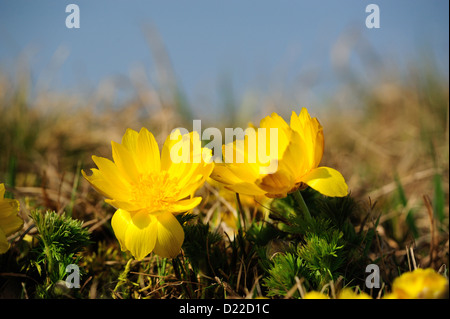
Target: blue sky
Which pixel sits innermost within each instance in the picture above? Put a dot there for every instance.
(255, 45)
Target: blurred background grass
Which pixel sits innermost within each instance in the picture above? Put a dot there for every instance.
(388, 134)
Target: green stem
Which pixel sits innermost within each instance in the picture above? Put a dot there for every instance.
(301, 202)
(241, 210)
(241, 225)
(49, 256)
(122, 277)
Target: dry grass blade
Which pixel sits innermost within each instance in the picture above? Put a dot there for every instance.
(433, 240)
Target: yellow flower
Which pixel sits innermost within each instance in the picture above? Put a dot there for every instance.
(315, 295)
(348, 293)
(297, 153)
(148, 189)
(10, 222)
(419, 284)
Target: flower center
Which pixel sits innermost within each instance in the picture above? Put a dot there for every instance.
(155, 191)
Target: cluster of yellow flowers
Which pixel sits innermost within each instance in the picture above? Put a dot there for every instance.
(417, 284)
(148, 188)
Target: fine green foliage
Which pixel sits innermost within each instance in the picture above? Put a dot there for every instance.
(60, 240)
(322, 256)
(282, 275)
(326, 246)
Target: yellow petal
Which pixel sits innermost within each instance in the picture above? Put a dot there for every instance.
(315, 295)
(140, 236)
(166, 160)
(283, 131)
(293, 159)
(180, 147)
(125, 205)
(196, 174)
(147, 152)
(312, 134)
(222, 174)
(274, 120)
(4, 244)
(246, 172)
(97, 181)
(143, 148)
(2, 190)
(119, 223)
(124, 160)
(136, 232)
(129, 140)
(183, 146)
(245, 188)
(326, 181)
(112, 175)
(348, 293)
(189, 190)
(170, 236)
(192, 169)
(102, 184)
(277, 184)
(185, 205)
(319, 144)
(10, 222)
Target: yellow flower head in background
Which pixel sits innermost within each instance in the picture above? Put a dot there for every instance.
(315, 295)
(227, 217)
(348, 293)
(148, 189)
(10, 222)
(419, 284)
(299, 146)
